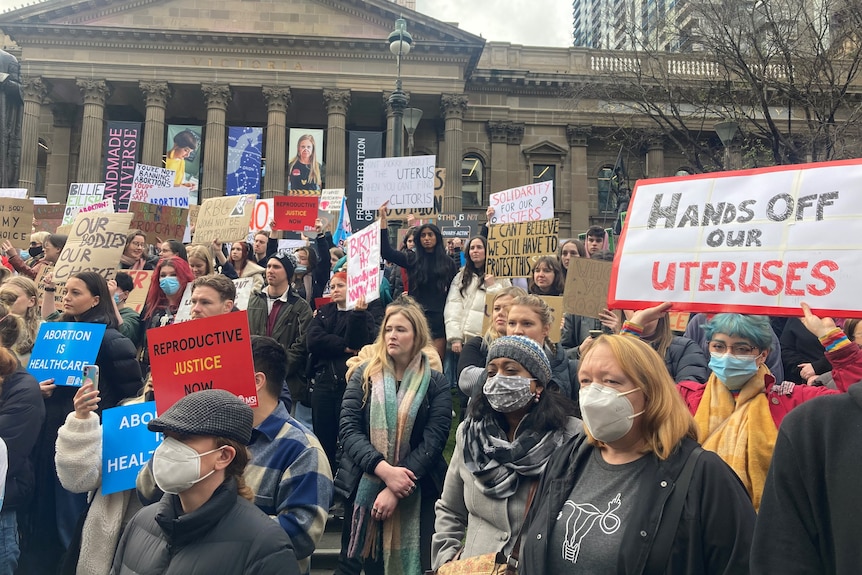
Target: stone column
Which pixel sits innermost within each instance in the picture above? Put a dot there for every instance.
(95, 93)
(655, 157)
(157, 94)
(453, 107)
(498, 133)
(577, 202)
(57, 184)
(337, 103)
(217, 97)
(35, 93)
(390, 125)
(277, 101)
(518, 174)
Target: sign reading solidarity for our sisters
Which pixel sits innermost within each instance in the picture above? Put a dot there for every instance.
(148, 178)
(127, 444)
(16, 221)
(295, 213)
(208, 353)
(363, 266)
(224, 219)
(523, 204)
(81, 195)
(157, 221)
(759, 241)
(62, 349)
(96, 243)
(514, 248)
(406, 182)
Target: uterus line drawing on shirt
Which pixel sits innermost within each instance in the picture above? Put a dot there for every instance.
(581, 519)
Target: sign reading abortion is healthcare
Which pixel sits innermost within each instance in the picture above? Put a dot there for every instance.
(127, 444)
(62, 349)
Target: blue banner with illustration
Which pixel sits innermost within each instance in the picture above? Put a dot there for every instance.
(62, 349)
(244, 153)
(183, 154)
(127, 444)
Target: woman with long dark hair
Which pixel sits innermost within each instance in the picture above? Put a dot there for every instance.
(430, 272)
(135, 253)
(547, 277)
(243, 265)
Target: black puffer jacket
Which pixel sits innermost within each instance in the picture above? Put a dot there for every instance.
(430, 433)
(119, 370)
(22, 412)
(228, 534)
(685, 361)
(330, 332)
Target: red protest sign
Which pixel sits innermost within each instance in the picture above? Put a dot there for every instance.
(209, 353)
(295, 213)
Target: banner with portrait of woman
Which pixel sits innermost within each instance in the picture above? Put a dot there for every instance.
(305, 163)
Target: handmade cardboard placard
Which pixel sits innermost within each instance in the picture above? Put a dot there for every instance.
(423, 213)
(586, 291)
(48, 217)
(141, 280)
(363, 266)
(96, 243)
(225, 219)
(524, 203)
(81, 195)
(159, 221)
(330, 199)
(148, 178)
(16, 221)
(514, 248)
(405, 182)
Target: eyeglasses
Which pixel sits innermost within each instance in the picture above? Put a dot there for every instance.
(138, 244)
(736, 349)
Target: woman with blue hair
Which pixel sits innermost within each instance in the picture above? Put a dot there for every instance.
(739, 409)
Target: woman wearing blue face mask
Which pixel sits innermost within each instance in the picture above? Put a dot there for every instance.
(739, 409)
(170, 279)
(513, 427)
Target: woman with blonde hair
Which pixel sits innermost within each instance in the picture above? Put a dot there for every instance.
(395, 420)
(200, 260)
(21, 295)
(635, 493)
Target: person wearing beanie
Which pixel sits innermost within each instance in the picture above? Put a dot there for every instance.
(512, 427)
(205, 522)
(277, 311)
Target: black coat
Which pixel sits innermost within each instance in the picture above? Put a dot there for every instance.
(330, 332)
(119, 370)
(227, 534)
(430, 433)
(22, 412)
(685, 360)
(713, 535)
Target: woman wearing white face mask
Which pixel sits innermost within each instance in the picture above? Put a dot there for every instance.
(205, 522)
(739, 409)
(501, 448)
(635, 493)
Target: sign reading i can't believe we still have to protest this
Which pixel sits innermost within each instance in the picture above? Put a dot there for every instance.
(208, 353)
(127, 444)
(759, 241)
(514, 248)
(62, 349)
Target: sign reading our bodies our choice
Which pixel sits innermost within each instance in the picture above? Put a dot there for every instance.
(127, 444)
(406, 182)
(525, 203)
(62, 349)
(759, 241)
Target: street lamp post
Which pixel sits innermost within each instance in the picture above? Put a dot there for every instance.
(400, 43)
(726, 131)
(411, 121)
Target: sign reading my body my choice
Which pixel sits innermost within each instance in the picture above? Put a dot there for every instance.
(209, 353)
(62, 349)
(127, 444)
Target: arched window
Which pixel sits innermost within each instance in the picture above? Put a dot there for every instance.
(607, 203)
(472, 180)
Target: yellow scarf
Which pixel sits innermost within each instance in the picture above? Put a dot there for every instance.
(742, 433)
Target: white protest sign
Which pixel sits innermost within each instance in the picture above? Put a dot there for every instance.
(184, 309)
(330, 199)
(523, 204)
(103, 206)
(177, 196)
(148, 178)
(261, 217)
(758, 242)
(20, 193)
(406, 182)
(81, 195)
(244, 289)
(363, 265)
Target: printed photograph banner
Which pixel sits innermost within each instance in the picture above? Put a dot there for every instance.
(360, 147)
(96, 243)
(757, 241)
(184, 150)
(305, 167)
(16, 221)
(81, 195)
(401, 183)
(62, 349)
(363, 266)
(122, 149)
(524, 203)
(127, 444)
(514, 248)
(244, 153)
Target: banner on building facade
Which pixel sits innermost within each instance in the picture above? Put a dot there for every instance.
(184, 151)
(360, 147)
(122, 146)
(244, 153)
(305, 167)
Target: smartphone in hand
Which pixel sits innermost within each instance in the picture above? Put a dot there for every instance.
(91, 375)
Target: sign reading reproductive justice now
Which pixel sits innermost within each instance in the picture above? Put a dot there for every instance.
(209, 353)
(757, 241)
(62, 349)
(127, 444)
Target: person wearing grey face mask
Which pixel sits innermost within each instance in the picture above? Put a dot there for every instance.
(513, 426)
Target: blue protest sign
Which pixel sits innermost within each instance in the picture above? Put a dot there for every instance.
(62, 350)
(127, 444)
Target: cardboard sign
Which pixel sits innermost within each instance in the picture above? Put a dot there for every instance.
(295, 213)
(81, 195)
(16, 221)
(523, 204)
(406, 182)
(363, 266)
(40, 287)
(19, 193)
(148, 178)
(127, 444)
(586, 291)
(330, 199)
(48, 217)
(141, 280)
(96, 243)
(224, 219)
(158, 222)
(759, 242)
(554, 302)
(177, 197)
(514, 248)
(209, 353)
(62, 349)
(244, 289)
(678, 320)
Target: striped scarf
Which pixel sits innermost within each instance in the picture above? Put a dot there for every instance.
(392, 414)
